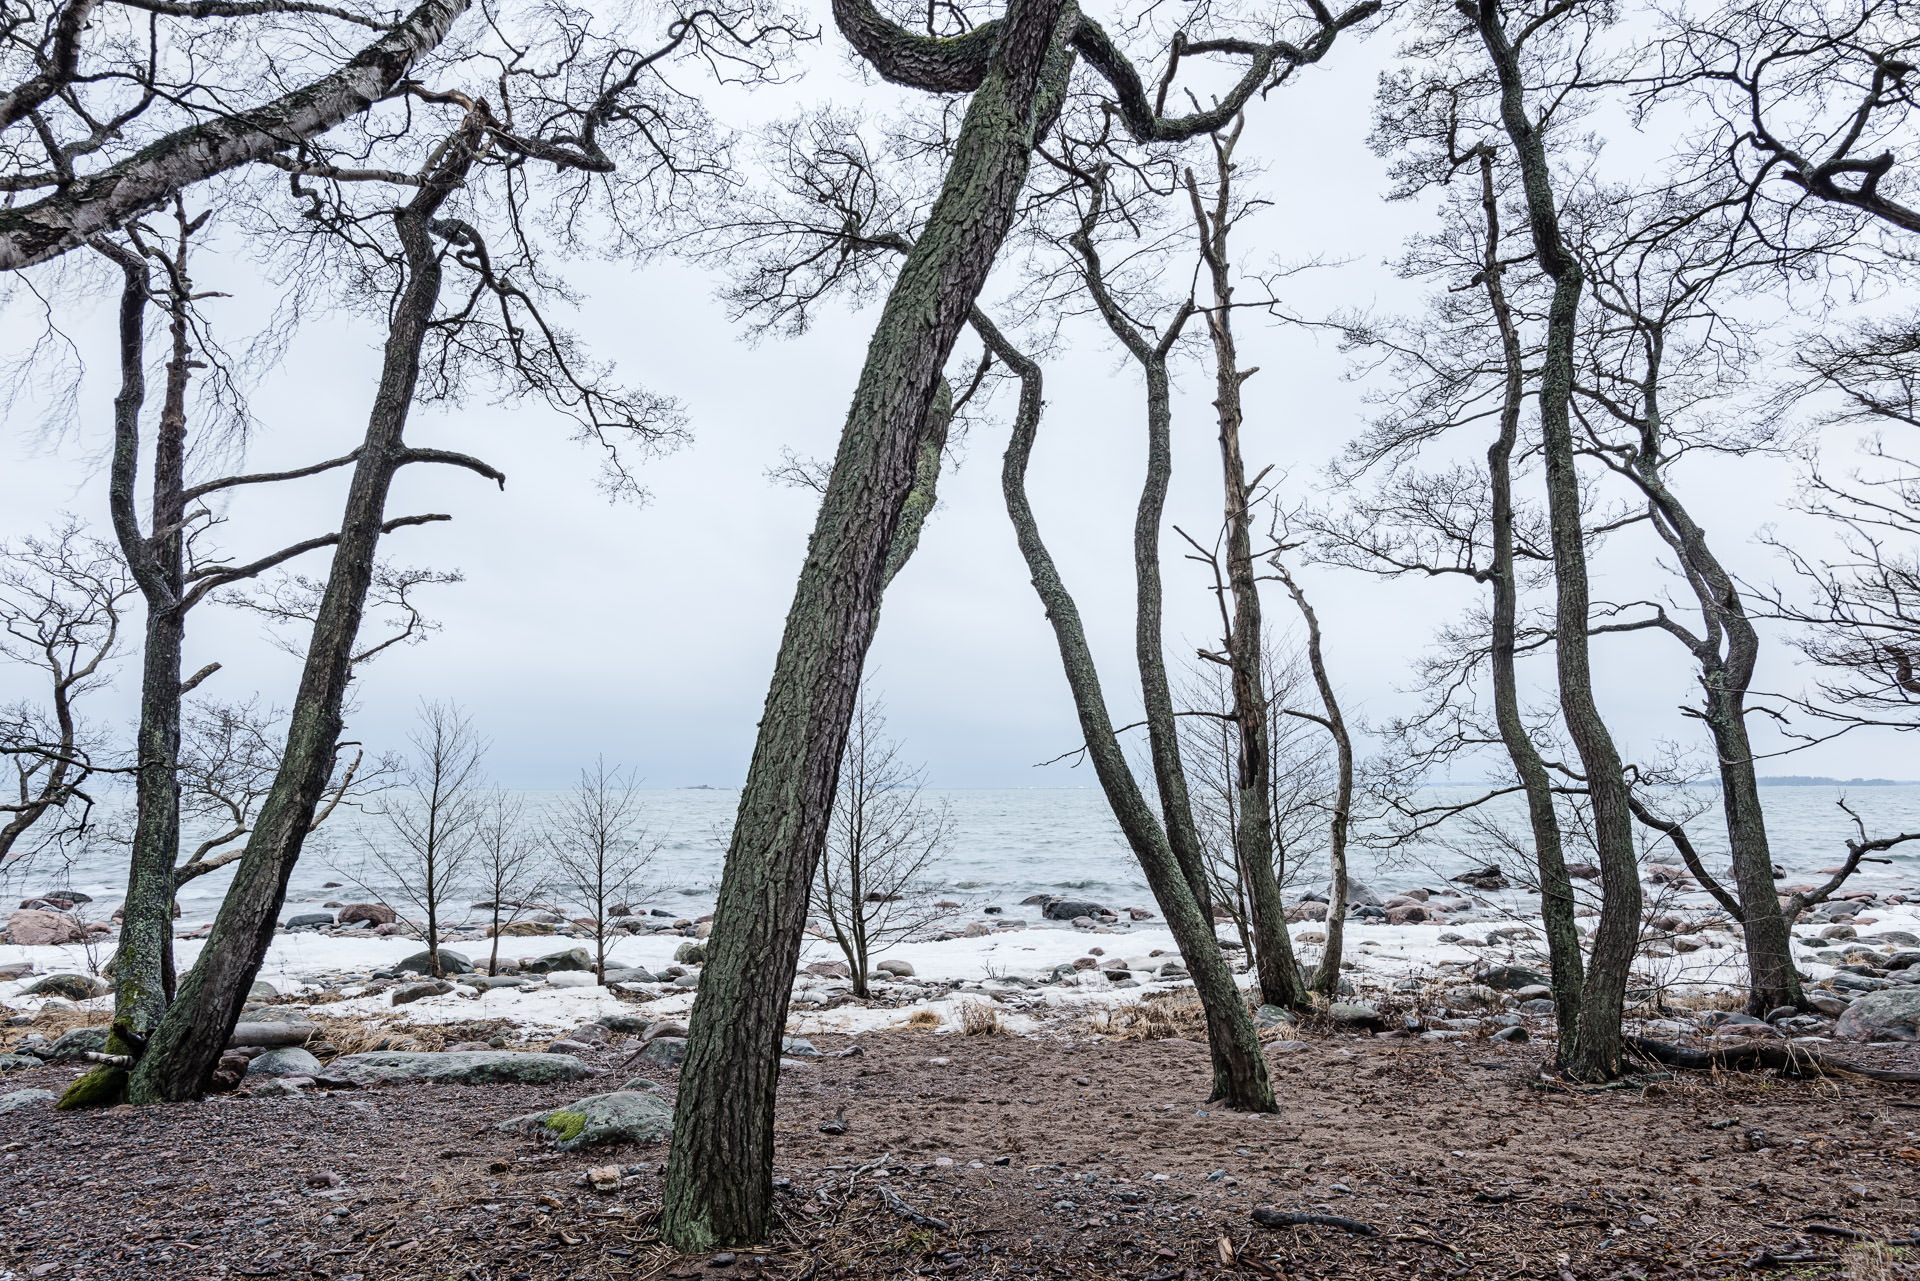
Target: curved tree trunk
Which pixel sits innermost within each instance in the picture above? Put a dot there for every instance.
(1565, 964)
(1326, 978)
(1596, 1054)
(719, 1177)
(1727, 654)
(187, 1045)
(1239, 1073)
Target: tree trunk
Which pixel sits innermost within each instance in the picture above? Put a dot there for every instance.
(1725, 675)
(1253, 838)
(1566, 966)
(1596, 1053)
(1326, 979)
(719, 1176)
(1239, 1073)
(142, 963)
(186, 1047)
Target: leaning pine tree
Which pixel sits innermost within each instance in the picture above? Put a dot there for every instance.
(719, 1185)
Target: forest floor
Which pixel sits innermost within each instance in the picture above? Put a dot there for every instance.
(1039, 1157)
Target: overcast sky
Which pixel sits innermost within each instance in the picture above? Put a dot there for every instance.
(647, 633)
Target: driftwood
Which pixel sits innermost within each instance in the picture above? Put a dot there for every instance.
(892, 1200)
(1279, 1219)
(1793, 1059)
(272, 1036)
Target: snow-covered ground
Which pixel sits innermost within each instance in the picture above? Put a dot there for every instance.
(946, 974)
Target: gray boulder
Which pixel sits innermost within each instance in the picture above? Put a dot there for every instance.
(1511, 978)
(629, 1023)
(74, 987)
(459, 1067)
(690, 954)
(16, 1062)
(450, 963)
(643, 1083)
(289, 1060)
(72, 1045)
(263, 991)
(899, 969)
(1066, 909)
(602, 1120)
(1355, 1015)
(574, 958)
(1892, 1015)
(25, 1099)
(631, 974)
(666, 1051)
(410, 992)
(309, 920)
(799, 1047)
(1359, 894)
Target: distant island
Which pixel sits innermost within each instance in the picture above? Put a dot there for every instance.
(1809, 780)
(702, 787)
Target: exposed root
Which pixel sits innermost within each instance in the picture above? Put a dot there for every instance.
(1280, 1219)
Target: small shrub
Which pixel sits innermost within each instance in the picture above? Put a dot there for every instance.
(924, 1018)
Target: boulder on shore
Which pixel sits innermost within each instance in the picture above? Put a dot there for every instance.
(574, 958)
(1066, 909)
(459, 1067)
(601, 1120)
(1890, 1015)
(1511, 978)
(75, 987)
(288, 1060)
(451, 962)
(31, 927)
(371, 913)
(76, 1043)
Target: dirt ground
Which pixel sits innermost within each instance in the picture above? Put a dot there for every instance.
(1038, 1158)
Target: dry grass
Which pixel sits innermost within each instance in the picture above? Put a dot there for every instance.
(924, 1018)
(1157, 1017)
(1870, 1261)
(980, 1018)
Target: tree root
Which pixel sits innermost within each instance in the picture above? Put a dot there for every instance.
(103, 1087)
(1790, 1060)
(1277, 1219)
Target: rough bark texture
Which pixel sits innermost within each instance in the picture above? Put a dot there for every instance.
(1239, 1073)
(186, 1047)
(719, 1178)
(1596, 1052)
(1565, 964)
(82, 209)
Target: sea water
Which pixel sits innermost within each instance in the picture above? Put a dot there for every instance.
(1009, 844)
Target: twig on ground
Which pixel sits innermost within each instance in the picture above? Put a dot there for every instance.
(1278, 1219)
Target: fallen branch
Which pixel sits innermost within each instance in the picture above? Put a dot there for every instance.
(1792, 1059)
(1277, 1219)
(111, 1060)
(891, 1199)
(1855, 1234)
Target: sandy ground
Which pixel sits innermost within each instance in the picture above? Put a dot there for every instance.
(1464, 1160)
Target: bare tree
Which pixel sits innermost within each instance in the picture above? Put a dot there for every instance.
(871, 884)
(601, 849)
(508, 865)
(60, 603)
(453, 200)
(109, 111)
(432, 816)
